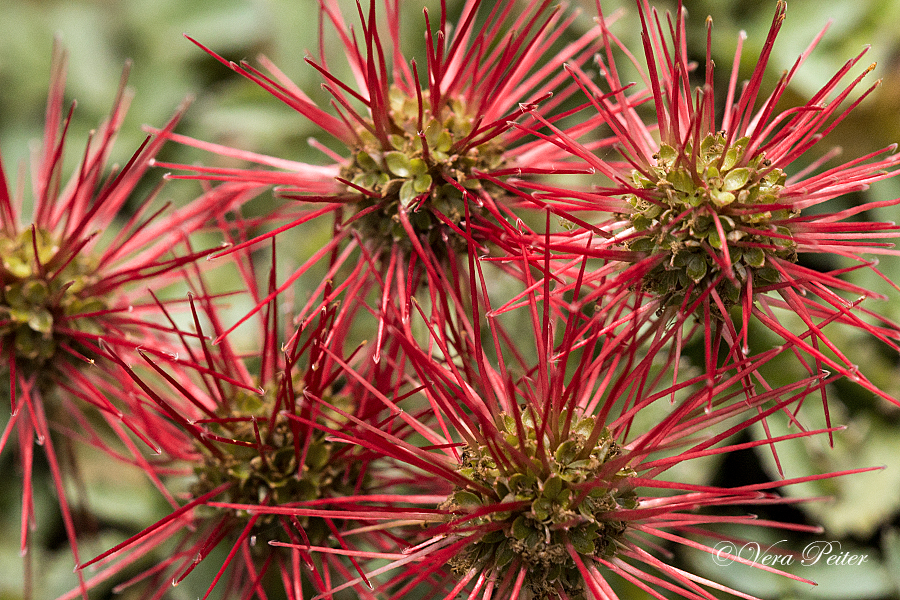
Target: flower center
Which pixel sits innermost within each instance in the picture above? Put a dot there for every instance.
(701, 205)
(42, 292)
(570, 501)
(260, 456)
(422, 164)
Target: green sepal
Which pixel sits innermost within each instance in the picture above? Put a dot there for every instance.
(682, 181)
(696, 267)
(552, 488)
(417, 167)
(504, 555)
(584, 426)
(541, 508)
(365, 161)
(666, 155)
(422, 183)
(754, 256)
(41, 321)
(466, 499)
(398, 164)
(736, 179)
(720, 198)
(566, 452)
(317, 456)
(408, 192)
(520, 529)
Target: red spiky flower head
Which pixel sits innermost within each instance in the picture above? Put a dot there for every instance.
(71, 275)
(554, 480)
(429, 150)
(239, 427)
(711, 207)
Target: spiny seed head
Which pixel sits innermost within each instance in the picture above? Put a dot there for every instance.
(262, 461)
(571, 502)
(412, 168)
(686, 195)
(40, 287)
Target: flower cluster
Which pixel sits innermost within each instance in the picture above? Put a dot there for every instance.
(449, 395)
(73, 285)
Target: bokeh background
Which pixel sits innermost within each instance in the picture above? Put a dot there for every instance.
(101, 35)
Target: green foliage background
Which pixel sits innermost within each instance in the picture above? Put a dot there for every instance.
(101, 35)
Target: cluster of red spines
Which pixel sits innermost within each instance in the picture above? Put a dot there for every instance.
(458, 407)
